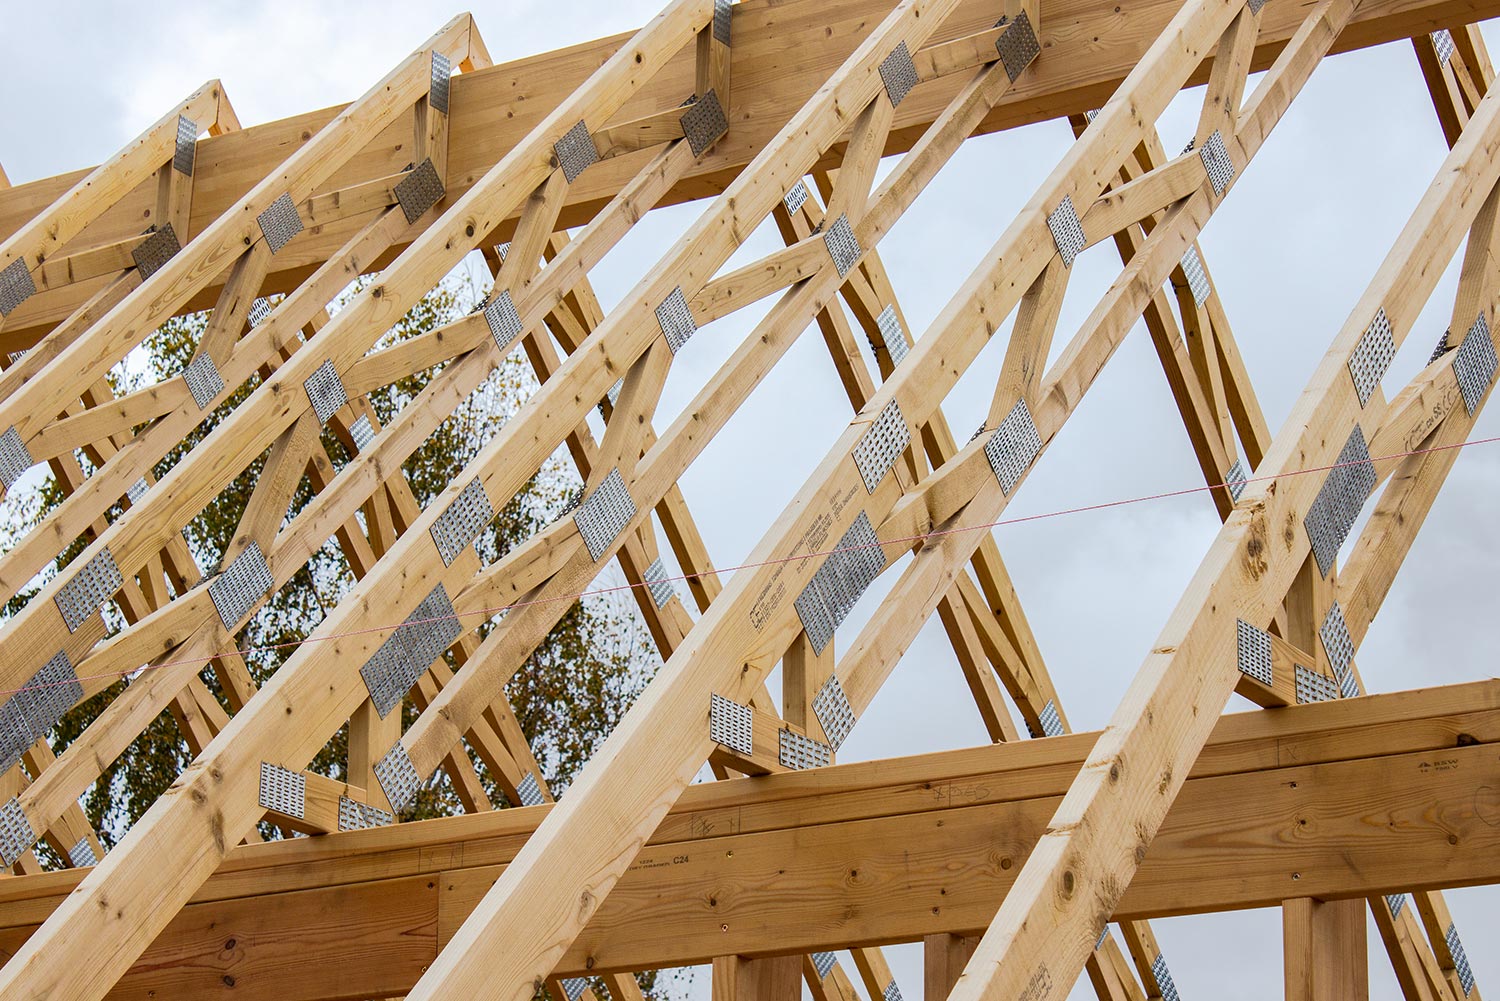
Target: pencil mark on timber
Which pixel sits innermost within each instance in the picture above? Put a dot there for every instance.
(1487, 805)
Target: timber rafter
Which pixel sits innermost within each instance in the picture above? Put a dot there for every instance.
(399, 188)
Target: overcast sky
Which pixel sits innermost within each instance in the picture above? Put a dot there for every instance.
(1290, 252)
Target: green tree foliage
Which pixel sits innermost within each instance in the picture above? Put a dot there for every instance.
(568, 696)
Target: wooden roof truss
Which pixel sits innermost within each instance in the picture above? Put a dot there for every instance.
(1268, 615)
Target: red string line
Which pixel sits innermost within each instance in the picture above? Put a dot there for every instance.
(935, 533)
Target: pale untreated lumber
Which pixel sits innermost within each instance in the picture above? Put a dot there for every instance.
(1334, 800)
(1089, 47)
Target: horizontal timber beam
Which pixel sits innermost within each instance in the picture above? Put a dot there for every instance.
(1088, 47)
(1338, 799)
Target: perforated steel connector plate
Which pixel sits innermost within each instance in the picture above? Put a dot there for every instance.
(1256, 5)
(357, 816)
(15, 457)
(704, 123)
(659, 583)
(363, 432)
(397, 776)
(1337, 643)
(419, 190)
(574, 987)
(835, 714)
(722, 22)
(325, 391)
(837, 585)
(1215, 157)
(842, 245)
(186, 148)
(1235, 479)
(882, 445)
(33, 711)
(82, 854)
(503, 320)
(260, 311)
(892, 335)
(16, 286)
(529, 792)
(155, 250)
(1395, 902)
(1337, 506)
(576, 151)
(1018, 46)
(409, 651)
(794, 198)
(1253, 652)
(1314, 687)
(203, 380)
(898, 73)
(137, 490)
(1439, 348)
(1474, 364)
(731, 724)
(463, 520)
(1349, 685)
(891, 992)
(676, 320)
(1164, 984)
(797, 752)
(88, 589)
(1442, 44)
(16, 835)
(282, 790)
(603, 516)
(1197, 278)
(823, 963)
(279, 223)
(1372, 356)
(1460, 959)
(1013, 447)
(1067, 231)
(1050, 722)
(431, 628)
(243, 583)
(442, 82)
